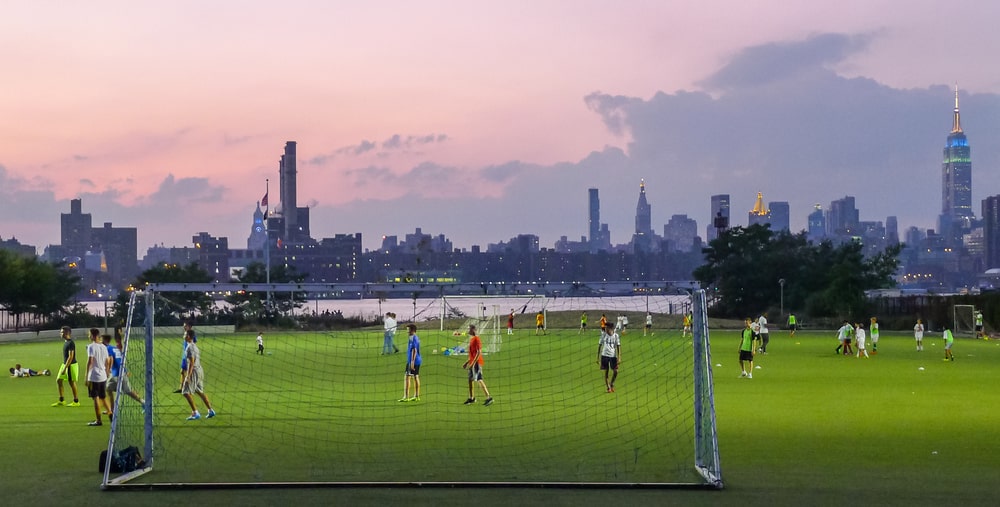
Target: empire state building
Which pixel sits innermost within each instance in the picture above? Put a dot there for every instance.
(956, 183)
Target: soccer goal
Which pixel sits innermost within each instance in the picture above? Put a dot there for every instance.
(489, 313)
(964, 319)
(322, 408)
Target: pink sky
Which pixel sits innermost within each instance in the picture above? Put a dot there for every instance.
(109, 101)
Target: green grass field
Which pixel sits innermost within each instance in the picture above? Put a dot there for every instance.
(811, 427)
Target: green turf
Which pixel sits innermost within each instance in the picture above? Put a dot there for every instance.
(811, 428)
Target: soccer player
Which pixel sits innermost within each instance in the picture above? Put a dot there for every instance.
(260, 343)
(510, 322)
(116, 379)
(187, 327)
(747, 342)
(979, 325)
(583, 322)
(540, 322)
(687, 325)
(604, 321)
(843, 337)
(412, 365)
(624, 323)
(98, 368)
(765, 335)
(388, 347)
(792, 325)
(475, 367)
(918, 335)
(69, 371)
(873, 330)
(609, 353)
(194, 378)
(859, 337)
(949, 339)
(649, 324)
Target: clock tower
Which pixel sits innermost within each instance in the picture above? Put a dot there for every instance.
(258, 231)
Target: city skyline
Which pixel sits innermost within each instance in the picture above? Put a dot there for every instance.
(495, 124)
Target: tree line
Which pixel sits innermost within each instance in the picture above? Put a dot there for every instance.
(750, 270)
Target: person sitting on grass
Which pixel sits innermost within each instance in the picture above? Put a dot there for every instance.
(18, 371)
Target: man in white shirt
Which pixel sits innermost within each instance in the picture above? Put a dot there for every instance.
(609, 351)
(764, 334)
(388, 347)
(98, 370)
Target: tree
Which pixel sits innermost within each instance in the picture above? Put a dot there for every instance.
(172, 306)
(28, 285)
(251, 305)
(744, 265)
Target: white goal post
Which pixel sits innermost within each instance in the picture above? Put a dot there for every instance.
(964, 319)
(322, 408)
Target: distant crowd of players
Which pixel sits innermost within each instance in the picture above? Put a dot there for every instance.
(755, 337)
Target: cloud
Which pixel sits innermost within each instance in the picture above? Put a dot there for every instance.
(768, 63)
(185, 191)
(397, 143)
(229, 140)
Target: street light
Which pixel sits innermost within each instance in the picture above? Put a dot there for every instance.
(781, 282)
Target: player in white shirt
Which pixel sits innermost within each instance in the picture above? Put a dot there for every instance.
(609, 353)
(859, 337)
(98, 370)
(918, 335)
(764, 334)
(388, 347)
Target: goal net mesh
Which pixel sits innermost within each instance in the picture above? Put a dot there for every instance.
(965, 319)
(322, 407)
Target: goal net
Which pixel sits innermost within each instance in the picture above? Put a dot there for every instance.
(322, 407)
(490, 316)
(964, 319)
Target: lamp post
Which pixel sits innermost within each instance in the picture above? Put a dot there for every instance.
(781, 283)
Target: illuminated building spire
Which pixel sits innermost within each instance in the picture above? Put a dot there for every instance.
(758, 206)
(956, 126)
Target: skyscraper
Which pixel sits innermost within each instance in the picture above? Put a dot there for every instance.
(991, 231)
(642, 241)
(780, 216)
(891, 230)
(956, 183)
(75, 231)
(680, 233)
(719, 220)
(594, 220)
(759, 214)
(816, 230)
(843, 217)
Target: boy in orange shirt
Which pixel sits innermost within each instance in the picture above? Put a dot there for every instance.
(475, 367)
